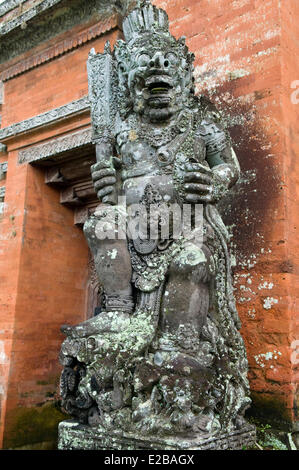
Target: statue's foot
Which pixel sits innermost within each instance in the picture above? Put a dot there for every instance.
(113, 322)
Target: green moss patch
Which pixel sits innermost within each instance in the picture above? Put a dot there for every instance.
(270, 410)
(31, 426)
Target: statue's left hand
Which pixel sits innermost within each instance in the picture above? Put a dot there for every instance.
(201, 184)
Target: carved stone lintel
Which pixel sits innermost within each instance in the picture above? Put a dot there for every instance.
(9, 5)
(49, 117)
(57, 146)
(26, 16)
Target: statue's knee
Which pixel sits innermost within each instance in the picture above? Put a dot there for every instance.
(193, 261)
(189, 257)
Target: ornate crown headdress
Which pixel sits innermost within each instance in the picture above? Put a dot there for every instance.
(146, 22)
(145, 18)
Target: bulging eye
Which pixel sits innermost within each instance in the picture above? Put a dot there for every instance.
(172, 58)
(143, 60)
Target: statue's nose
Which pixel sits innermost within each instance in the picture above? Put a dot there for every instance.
(159, 61)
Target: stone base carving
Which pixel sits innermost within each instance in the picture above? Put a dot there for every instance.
(75, 436)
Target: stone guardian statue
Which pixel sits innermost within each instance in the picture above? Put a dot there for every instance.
(163, 365)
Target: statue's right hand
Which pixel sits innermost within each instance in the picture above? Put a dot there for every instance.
(104, 178)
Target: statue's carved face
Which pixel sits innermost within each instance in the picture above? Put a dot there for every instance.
(158, 79)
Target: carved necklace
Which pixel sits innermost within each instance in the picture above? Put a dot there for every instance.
(160, 136)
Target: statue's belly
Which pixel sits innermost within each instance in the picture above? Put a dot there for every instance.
(134, 187)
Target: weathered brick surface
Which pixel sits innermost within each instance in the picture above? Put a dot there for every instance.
(245, 52)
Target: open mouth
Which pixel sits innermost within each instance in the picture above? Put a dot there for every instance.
(159, 88)
(158, 85)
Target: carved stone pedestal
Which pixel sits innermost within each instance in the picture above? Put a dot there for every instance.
(75, 436)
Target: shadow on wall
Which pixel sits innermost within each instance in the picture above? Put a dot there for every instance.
(246, 206)
(252, 211)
